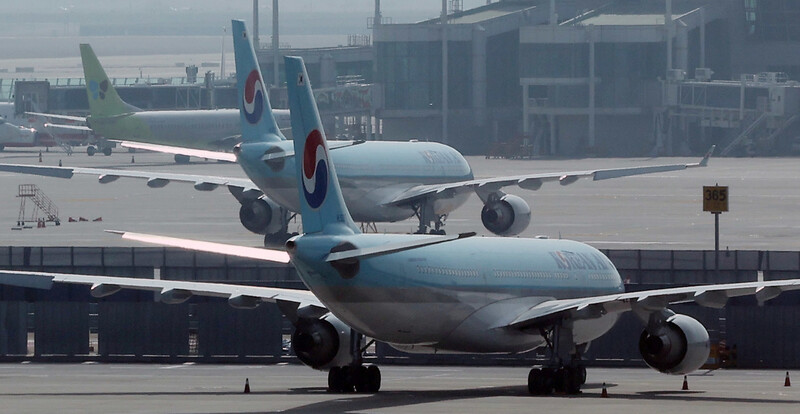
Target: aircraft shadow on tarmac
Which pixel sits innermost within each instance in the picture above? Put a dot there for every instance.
(394, 399)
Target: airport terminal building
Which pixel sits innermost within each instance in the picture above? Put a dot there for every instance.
(591, 77)
(548, 77)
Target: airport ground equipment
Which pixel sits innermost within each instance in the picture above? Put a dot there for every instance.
(42, 204)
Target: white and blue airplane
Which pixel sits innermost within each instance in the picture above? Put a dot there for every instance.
(382, 181)
(430, 293)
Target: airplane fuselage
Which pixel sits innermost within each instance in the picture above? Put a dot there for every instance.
(456, 296)
(217, 130)
(369, 174)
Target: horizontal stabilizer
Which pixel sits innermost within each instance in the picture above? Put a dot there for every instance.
(332, 145)
(57, 116)
(210, 247)
(167, 149)
(368, 252)
(66, 127)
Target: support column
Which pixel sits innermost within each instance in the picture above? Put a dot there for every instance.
(592, 109)
(445, 89)
(255, 24)
(479, 75)
(526, 122)
(276, 77)
(668, 29)
(682, 48)
(702, 37)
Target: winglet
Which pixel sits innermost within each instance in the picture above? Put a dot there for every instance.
(704, 161)
(322, 206)
(258, 122)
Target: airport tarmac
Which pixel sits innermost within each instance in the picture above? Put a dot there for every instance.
(100, 388)
(658, 211)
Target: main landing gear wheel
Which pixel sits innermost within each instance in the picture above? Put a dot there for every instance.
(564, 380)
(356, 378)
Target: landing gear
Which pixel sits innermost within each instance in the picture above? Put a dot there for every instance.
(354, 378)
(427, 218)
(564, 380)
(91, 150)
(564, 373)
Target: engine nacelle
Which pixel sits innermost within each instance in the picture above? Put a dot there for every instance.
(261, 216)
(322, 343)
(679, 346)
(508, 215)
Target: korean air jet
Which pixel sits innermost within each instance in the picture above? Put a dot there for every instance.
(382, 181)
(430, 293)
(201, 133)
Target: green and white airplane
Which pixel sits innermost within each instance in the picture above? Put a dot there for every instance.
(185, 133)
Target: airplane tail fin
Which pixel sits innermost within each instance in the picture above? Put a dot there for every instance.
(258, 122)
(103, 98)
(321, 203)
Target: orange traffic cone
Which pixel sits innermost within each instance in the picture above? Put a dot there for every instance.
(685, 384)
(247, 386)
(98, 219)
(787, 382)
(72, 220)
(82, 219)
(604, 393)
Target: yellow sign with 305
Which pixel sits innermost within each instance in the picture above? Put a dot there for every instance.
(715, 198)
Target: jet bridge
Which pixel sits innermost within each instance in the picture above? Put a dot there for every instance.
(755, 115)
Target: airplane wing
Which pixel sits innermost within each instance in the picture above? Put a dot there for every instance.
(534, 181)
(154, 179)
(172, 291)
(211, 155)
(713, 296)
(292, 302)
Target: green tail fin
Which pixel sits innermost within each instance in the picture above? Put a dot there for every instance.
(103, 98)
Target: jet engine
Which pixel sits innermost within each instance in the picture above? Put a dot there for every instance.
(322, 343)
(678, 346)
(261, 215)
(508, 215)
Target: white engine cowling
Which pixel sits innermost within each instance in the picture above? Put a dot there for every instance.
(679, 346)
(322, 343)
(261, 216)
(508, 215)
